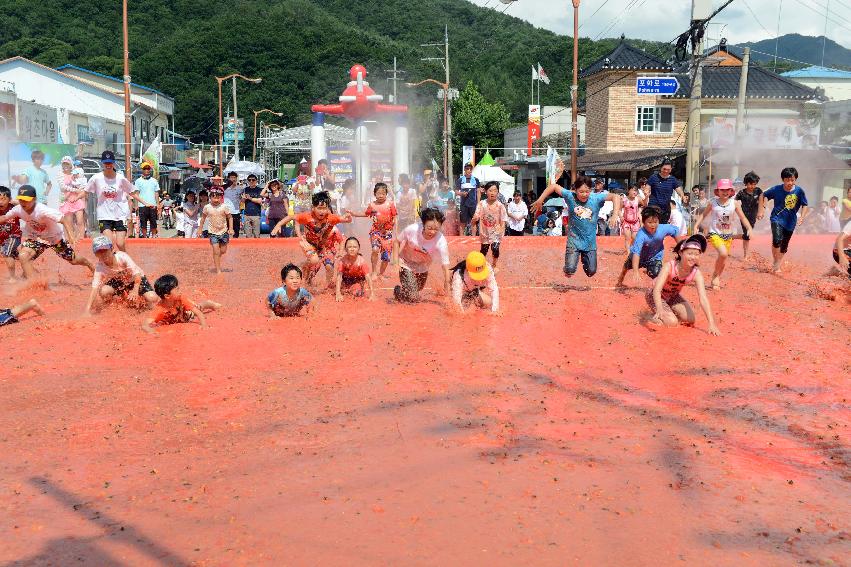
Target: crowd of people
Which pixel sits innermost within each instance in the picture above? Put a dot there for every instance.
(405, 231)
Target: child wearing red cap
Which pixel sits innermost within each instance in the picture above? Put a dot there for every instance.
(473, 283)
(669, 307)
(722, 209)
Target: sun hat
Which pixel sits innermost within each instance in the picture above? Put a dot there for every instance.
(101, 243)
(67, 159)
(477, 266)
(724, 184)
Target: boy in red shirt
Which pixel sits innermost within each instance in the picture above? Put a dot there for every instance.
(319, 237)
(174, 307)
(10, 233)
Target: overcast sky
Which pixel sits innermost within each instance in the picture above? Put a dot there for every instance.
(640, 18)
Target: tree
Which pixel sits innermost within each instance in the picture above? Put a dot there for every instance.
(477, 122)
(45, 50)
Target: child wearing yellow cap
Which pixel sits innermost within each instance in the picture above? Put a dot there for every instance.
(473, 283)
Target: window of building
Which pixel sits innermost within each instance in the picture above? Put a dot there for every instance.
(654, 119)
(83, 135)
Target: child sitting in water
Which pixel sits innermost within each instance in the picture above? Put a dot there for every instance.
(9, 316)
(116, 274)
(669, 307)
(290, 299)
(353, 272)
(384, 218)
(473, 283)
(174, 307)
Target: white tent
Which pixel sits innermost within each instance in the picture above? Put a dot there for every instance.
(485, 173)
(244, 168)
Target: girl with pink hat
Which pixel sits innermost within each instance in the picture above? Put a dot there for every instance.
(73, 190)
(721, 210)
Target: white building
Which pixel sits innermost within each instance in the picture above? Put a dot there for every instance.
(86, 108)
(836, 84)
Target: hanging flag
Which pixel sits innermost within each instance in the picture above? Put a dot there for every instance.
(535, 76)
(153, 155)
(534, 127)
(434, 165)
(469, 156)
(555, 166)
(542, 75)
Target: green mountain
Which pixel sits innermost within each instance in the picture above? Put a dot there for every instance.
(301, 48)
(805, 50)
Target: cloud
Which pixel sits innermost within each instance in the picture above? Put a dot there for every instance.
(662, 20)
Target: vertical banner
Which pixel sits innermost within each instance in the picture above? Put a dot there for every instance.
(152, 156)
(554, 165)
(534, 132)
(469, 156)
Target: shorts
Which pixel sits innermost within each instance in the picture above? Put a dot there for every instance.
(221, 239)
(848, 255)
(148, 215)
(511, 232)
(62, 249)
(113, 225)
(124, 288)
(648, 297)
(634, 226)
(751, 219)
(664, 214)
(71, 207)
(9, 249)
(350, 281)
(177, 318)
(381, 240)
(493, 246)
(780, 237)
(411, 284)
(473, 296)
(653, 265)
(719, 240)
(6, 317)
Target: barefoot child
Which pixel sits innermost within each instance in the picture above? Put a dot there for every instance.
(630, 217)
(353, 272)
(291, 298)
(414, 251)
(721, 210)
(473, 283)
(669, 307)
(842, 249)
(10, 233)
(788, 199)
(45, 228)
(384, 219)
(9, 316)
(749, 198)
(648, 248)
(221, 225)
(319, 239)
(174, 307)
(491, 216)
(117, 275)
(583, 210)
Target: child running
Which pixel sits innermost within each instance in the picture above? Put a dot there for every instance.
(788, 199)
(722, 208)
(43, 229)
(630, 217)
(749, 199)
(290, 299)
(320, 239)
(10, 233)
(669, 307)
(842, 249)
(648, 248)
(117, 275)
(221, 225)
(583, 210)
(384, 219)
(353, 272)
(473, 283)
(10, 315)
(491, 216)
(175, 308)
(414, 250)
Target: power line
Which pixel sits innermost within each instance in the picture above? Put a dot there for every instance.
(594, 14)
(822, 15)
(748, 6)
(797, 61)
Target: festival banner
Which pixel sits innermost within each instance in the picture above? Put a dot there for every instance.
(555, 166)
(152, 156)
(534, 130)
(21, 170)
(469, 156)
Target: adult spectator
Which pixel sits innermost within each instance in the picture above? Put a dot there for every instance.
(113, 193)
(662, 187)
(833, 212)
(233, 199)
(324, 178)
(605, 211)
(845, 215)
(148, 196)
(278, 204)
(406, 202)
(467, 188)
(518, 212)
(253, 203)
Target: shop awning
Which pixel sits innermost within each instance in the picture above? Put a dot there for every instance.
(632, 160)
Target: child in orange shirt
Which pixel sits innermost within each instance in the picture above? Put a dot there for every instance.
(353, 272)
(384, 220)
(175, 308)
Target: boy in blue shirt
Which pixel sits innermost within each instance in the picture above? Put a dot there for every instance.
(290, 299)
(583, 209)
(37, 177)
(648, 248)
(788, 200)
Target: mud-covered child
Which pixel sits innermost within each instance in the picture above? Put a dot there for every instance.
(174, 307)
(291, 299)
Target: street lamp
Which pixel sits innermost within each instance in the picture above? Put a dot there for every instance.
(254, 145)
(220, 80)
(445, 87)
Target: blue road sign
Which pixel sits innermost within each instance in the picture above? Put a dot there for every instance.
(657, 85)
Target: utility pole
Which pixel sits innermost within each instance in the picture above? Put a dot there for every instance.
(447, 94)
(740, 110)
(574, 92)
(699, 13)
(396, 72)
(128, 164)
(235, 125)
